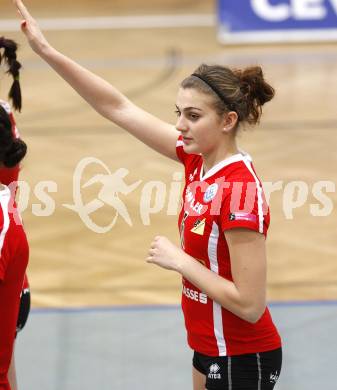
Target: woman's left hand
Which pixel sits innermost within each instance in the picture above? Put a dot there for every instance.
(165, 254)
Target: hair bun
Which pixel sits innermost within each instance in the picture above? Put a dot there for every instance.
(253, 84)
(6, 136)
(15, 153)
(255, 90)
(5, 140)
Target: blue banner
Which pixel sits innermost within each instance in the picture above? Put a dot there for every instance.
(307, 18)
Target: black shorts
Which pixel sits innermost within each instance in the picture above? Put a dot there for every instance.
(23, 310)
(257, 371)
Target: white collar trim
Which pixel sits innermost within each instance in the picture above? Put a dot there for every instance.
(230, 160)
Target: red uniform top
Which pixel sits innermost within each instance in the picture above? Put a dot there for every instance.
(13, 262)
(11, 175)
(228, 196)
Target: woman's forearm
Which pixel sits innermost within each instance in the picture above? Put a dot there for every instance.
(101, 95)
(112, 104)
(221, 290)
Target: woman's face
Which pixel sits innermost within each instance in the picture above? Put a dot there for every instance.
(200, 125)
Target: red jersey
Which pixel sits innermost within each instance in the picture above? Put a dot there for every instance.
(10, 175)
(228, 196)
(13, 262)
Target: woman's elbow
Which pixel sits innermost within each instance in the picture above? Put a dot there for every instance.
(253, 313)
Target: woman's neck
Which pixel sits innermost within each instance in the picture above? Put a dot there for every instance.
(220, 154)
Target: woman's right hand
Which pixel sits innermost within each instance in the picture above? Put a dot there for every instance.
(31, 29)
(102, 96)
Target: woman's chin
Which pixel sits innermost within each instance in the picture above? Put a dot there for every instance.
(191, 149)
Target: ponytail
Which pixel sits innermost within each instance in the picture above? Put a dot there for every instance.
(9, 58)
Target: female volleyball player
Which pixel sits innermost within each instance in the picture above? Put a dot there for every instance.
(224, 219)
(9, 174)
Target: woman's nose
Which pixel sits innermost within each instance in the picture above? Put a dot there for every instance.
(181, 125)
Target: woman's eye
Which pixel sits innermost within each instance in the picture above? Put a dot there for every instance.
(177, 112)
(194, 117)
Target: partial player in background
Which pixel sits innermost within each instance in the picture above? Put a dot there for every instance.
(9, 174)
(224, 219)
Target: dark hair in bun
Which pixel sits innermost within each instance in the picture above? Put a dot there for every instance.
(244, 91)
(12, 150)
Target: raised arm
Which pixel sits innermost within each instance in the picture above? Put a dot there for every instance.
(101, 95)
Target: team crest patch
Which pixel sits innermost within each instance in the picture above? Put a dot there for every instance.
(242, 217)
(211, 192)
(199, 227)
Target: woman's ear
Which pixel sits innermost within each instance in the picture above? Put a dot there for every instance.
(230, 121)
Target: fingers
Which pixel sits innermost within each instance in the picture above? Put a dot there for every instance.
(155, 241)
(153, 251)
(22, 9)
(149, 260)
(151, 256)
(23, 13)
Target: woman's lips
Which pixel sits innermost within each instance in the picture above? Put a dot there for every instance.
(187, 140)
